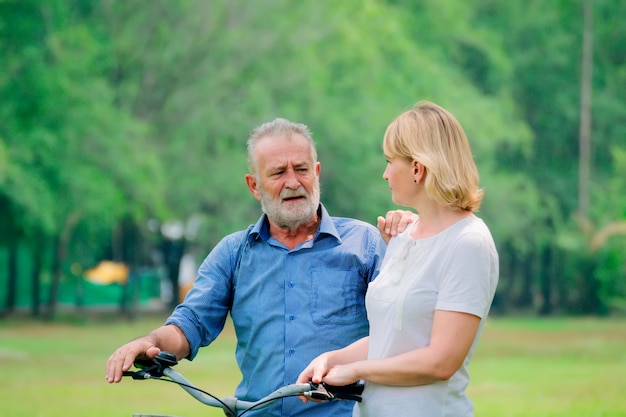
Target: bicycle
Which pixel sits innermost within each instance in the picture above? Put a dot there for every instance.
(160, 368)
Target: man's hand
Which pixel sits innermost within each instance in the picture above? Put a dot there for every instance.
(169, 338)
(122, 359)
(395, 222)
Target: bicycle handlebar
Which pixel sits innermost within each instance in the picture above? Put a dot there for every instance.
(161, 366)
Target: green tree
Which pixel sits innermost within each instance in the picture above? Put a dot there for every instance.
(73, 157)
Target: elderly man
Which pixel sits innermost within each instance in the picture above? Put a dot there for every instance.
(294, 283)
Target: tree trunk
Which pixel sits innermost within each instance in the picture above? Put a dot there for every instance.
(525, 296)
(60, 251)
(590, 301)
(12, 270)
(545, 283)
(36, 277)
(585, 111)
(53, 294)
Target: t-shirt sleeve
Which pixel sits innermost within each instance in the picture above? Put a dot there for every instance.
(466, 284)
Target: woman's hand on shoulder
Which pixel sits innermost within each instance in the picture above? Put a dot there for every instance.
(394, 223)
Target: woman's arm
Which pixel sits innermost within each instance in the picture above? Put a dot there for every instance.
(317, 369)
(452, 336)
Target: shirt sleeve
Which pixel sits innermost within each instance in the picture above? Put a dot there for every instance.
(201, 316)
(466, 283)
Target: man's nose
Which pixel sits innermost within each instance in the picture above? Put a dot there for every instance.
(291, 179)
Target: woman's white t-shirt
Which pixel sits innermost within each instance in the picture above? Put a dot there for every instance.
(455, 270)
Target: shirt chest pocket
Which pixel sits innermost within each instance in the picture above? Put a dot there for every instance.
(338, 297)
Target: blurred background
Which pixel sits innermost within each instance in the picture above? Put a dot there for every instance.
(123, 126)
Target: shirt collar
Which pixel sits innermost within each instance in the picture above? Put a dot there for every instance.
(261, 230)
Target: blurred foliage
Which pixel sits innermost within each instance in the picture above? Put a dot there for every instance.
(115, 113)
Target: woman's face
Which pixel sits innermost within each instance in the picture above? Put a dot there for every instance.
(399, 173)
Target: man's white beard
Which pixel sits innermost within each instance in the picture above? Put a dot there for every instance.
(292, 215)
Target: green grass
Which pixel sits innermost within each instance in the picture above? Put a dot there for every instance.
(522, 367)
(58, 370)
(550, 367)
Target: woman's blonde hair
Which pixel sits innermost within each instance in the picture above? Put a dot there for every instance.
(433, 137)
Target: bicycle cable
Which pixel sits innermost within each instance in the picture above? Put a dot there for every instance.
(222, 403)
(182, 384)
(256, 406)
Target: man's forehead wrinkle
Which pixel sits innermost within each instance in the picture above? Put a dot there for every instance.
(284, 164)
(281, 152)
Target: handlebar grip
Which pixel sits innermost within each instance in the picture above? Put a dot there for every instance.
(143, 363)
(153, 367)
(166, 359)
(327, 392)
(345, 391)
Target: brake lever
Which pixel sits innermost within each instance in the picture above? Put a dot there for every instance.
(142, 374)
(319, 392)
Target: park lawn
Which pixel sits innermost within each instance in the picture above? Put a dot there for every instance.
(58, 370)
(523, 367)
(550, 367)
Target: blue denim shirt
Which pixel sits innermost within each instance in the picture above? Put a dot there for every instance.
(287, 306)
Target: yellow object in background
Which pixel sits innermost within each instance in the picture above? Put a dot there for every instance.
(108, 272)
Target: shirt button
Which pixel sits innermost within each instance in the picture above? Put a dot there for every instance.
(292, 351)
(291, 285)
(292, 318)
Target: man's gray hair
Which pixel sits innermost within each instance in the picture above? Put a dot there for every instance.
(278, 127)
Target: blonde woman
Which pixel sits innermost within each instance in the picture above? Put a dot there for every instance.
(429, 303)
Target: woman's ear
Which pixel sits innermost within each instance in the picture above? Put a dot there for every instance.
(419, 171)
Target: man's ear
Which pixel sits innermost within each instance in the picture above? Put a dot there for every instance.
(253, 186)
